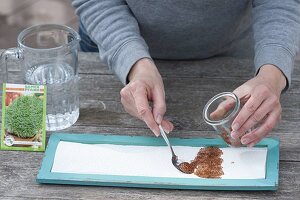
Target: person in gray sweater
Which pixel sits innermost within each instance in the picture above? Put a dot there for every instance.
(129, 33)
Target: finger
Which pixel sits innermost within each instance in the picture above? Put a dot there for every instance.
(227, 105)
(266, 127)
(140, 95)
(253, 143)
(248, 109)
(254, 119)
(167, 125)
(159, 104)
(222, 109)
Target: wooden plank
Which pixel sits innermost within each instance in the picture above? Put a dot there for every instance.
(213, 67)
(106, 109)
(103, 106)
(219, 67)
(108, 85)
(23, 166)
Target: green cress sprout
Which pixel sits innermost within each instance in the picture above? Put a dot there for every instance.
(24, 116)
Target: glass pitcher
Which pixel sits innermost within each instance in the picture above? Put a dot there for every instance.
(48, 55)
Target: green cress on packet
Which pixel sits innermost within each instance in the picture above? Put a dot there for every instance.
(23, 117)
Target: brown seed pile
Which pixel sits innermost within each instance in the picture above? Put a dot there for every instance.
(207, 163)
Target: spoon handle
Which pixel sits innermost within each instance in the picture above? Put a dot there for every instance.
(163, 134)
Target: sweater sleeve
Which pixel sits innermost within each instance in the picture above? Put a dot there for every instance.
(276, 34)
(111, 25)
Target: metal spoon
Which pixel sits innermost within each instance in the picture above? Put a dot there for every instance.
(175, 161)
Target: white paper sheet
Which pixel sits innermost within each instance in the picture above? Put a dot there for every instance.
(152, 161)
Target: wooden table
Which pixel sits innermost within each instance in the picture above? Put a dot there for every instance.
(188, 84)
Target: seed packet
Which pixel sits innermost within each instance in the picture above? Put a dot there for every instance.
(23, 117)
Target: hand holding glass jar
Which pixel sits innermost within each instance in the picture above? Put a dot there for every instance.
(261, 112)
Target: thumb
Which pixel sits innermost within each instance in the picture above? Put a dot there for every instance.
(159, 104)
(228, 103)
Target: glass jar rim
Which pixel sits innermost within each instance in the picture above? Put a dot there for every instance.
(41, 27)
(227, 118)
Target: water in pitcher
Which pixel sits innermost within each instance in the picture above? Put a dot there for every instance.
(62, 93)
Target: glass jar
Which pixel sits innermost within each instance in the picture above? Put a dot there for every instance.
(219, 112)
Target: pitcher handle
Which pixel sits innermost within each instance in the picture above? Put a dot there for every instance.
(10, 54)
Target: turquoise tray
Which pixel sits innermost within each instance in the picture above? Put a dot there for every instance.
(46, 176)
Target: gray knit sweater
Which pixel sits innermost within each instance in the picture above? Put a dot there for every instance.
(128, 30)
